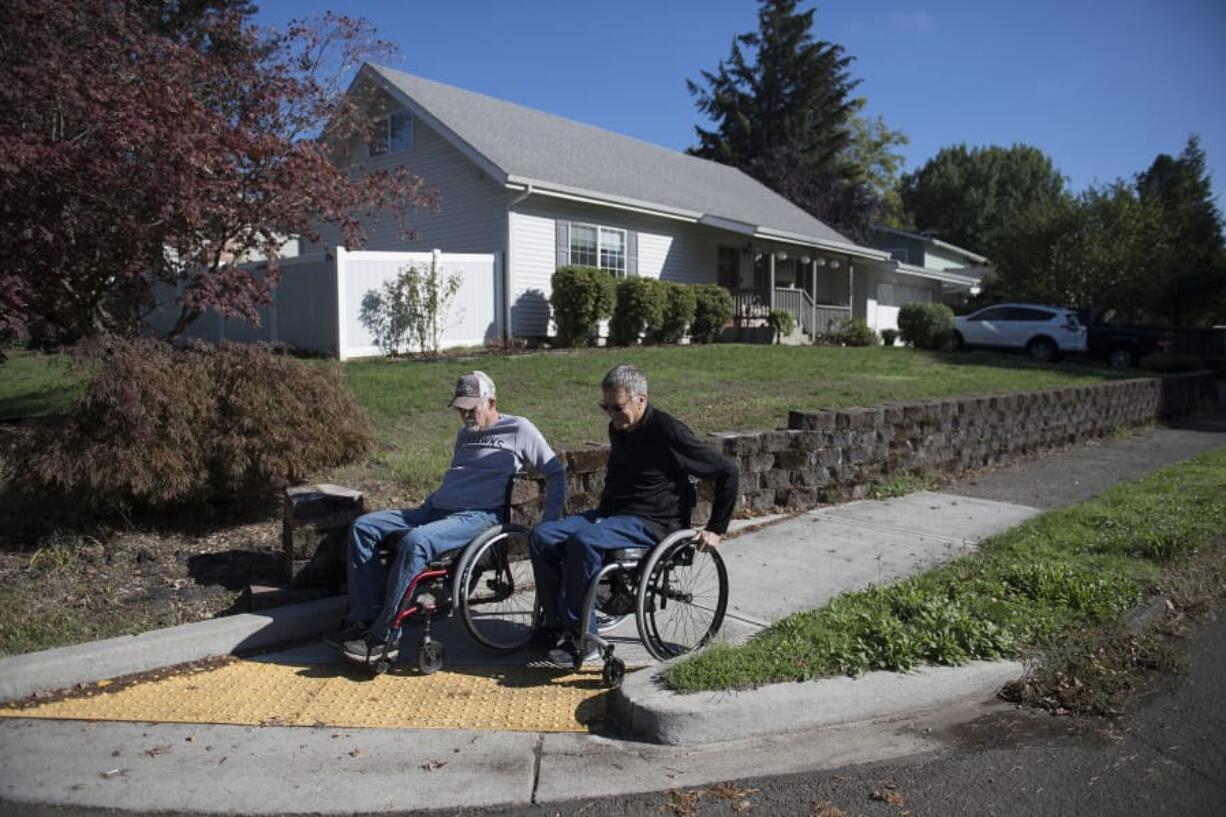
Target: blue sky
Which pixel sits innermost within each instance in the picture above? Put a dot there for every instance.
(1101, 87)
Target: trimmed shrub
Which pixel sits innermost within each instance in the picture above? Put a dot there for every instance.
(159, 426)
(712, 311)
(926, 326)
(640, 305)
(582, 297)
(888, 336)
(679, 303)
(1171, 363)
(781, 323)
(854, 332)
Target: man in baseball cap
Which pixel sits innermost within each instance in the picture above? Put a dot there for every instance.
(490, 448)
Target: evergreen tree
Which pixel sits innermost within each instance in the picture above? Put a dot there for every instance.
(1193, 265)
(782, 110)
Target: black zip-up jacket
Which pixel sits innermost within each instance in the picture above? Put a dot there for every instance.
(648, 473)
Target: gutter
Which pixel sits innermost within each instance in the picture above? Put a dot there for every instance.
(527, 191)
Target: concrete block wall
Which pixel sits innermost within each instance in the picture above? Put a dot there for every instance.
(833, 456)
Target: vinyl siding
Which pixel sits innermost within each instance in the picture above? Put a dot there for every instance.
(473, 207)
(668, 250)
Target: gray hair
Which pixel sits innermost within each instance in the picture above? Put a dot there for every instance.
(630, 378)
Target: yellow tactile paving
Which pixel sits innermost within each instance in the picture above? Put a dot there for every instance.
(248, 692)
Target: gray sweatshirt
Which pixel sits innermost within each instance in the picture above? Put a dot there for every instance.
(485, 461)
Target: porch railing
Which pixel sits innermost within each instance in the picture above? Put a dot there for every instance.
(815, 319)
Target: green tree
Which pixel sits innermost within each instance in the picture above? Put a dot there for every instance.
(971, 197)
(782, 110)
(1192, 266)
(795, 93)
(872, 157)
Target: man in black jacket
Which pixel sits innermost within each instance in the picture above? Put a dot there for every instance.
(651, 457)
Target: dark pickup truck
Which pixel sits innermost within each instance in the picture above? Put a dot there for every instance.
(1123, 346)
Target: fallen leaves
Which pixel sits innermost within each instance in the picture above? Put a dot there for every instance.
(433, 764)
(823, 808)
(889, 795)
(685, 803)
(158, 750)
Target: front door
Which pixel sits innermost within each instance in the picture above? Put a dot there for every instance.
(729, 268)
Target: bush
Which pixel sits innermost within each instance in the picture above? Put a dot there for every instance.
(582, 297)
(1171, 364)
(160, 426)
(888, 336)
(926, 326)
(854, 332)
(640, 305)
(712, 310)
(410, 311)
(781, 323)
(679, 303)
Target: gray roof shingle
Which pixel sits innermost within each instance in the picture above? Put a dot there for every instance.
(532, 144)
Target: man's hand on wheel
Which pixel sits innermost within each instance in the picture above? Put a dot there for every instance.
(707, 540)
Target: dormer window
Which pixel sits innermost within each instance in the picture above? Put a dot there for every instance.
(391, 133)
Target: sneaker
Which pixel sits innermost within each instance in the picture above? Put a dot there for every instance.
(350, 631)
(368, 648)
(566, 654)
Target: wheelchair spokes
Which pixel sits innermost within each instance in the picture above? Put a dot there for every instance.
(499, 609)
(684, 598)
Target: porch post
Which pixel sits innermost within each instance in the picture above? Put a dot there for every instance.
(813, 294)
(851, 291)
(770, 282)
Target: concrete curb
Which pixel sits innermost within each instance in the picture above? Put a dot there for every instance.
(23, 675)
(647, 709)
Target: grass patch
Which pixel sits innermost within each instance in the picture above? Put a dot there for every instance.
(713, 388)
(1030, 587)
(33, 384)
(901, 485)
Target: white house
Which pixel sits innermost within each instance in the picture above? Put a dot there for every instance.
(540, 191)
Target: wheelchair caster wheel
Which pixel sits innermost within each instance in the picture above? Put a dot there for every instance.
(381, 666)
(429, 656)
(613, 673)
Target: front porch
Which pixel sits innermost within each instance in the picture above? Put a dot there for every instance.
(814, 286)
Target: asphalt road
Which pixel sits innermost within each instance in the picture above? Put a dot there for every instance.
(1168, 756)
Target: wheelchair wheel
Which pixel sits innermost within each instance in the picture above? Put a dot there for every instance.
(682, 597)
(429, 656)
(495, 590)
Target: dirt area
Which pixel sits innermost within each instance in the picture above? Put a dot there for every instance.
(67, 576)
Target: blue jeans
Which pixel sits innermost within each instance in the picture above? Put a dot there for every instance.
(426, 532)
(567, 555)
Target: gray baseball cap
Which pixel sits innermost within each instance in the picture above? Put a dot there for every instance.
(471, 389)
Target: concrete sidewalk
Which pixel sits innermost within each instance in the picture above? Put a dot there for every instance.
(794, 564)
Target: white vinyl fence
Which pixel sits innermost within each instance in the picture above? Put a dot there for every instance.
(318, 302)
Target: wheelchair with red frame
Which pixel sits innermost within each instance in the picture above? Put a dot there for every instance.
(488, 583)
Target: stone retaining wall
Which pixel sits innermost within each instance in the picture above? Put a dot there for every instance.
(821, 457)
(833, 456)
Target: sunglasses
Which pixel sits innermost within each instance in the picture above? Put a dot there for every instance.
(613, 408)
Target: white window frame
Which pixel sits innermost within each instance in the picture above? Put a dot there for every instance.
(600, 232)
(381, 134)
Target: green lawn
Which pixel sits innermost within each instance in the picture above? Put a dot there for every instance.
(713, 388)
(1062, 573)
(33, 384)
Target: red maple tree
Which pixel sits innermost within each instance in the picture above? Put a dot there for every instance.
(141, 147)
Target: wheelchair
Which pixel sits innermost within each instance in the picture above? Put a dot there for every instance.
(677, 593)
(490, 585)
